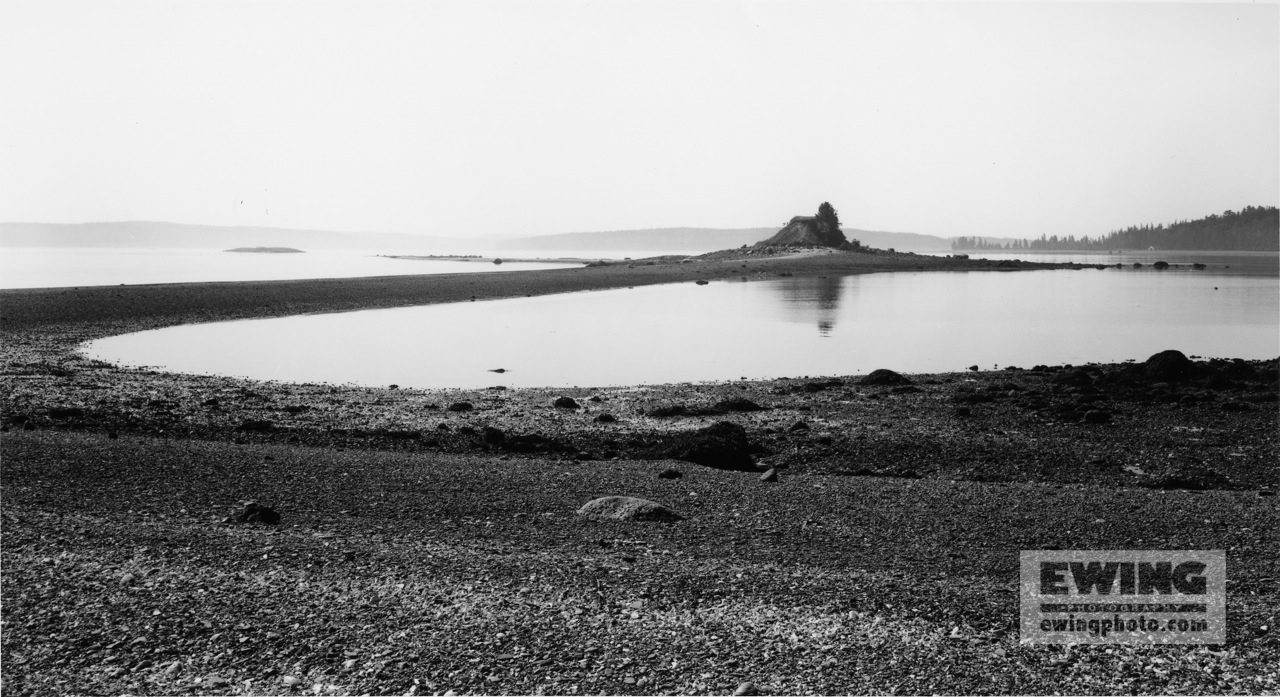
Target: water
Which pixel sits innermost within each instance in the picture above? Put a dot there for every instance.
(909, 322)
(22, 267)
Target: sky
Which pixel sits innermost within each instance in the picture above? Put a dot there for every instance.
(486, 118)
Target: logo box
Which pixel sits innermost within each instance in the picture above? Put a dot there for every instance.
(1123, 597)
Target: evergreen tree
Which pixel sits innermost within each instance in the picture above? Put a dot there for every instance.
(829, 226)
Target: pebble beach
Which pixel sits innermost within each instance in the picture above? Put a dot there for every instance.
(429, 540)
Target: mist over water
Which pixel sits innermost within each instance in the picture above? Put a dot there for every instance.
(68, 267)
(910, 322)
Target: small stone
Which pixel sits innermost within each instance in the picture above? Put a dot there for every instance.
(257, 513)
(461, 406)
(770, 476)
(349, 664)
(746, 688)
(127, 579)
(1097, 416)
(606, 419)
(566, 403)
(173, 668)
(290, 681)
(799, 427)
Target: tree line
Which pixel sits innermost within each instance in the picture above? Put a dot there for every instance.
(1253, 229)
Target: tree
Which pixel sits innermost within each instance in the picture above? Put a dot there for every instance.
(829, 226)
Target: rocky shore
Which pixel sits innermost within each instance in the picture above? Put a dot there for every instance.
(429, 539)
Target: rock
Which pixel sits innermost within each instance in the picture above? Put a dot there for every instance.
(1233, 405)
(701, 282)
(256, 513)
(1097, 416)
(670, 473)
(128, 579)
(770, 476)
(461, 406)
(1194, 477)
(964, 411)
(746, 688)
(741, 404)
(884, 376)
(290, 681)
(497, 261)
(721, 445)
(256, 426)
(669, 410)
(566, 403)
(173, 668)
(493, 436)
(628, 508)
(1161, 265)
(1168, 366)
(799, 427)
(606, 419)
(531, 443)
(974, 368)
(349, 664)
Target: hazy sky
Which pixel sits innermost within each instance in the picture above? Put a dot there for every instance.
(534, 117)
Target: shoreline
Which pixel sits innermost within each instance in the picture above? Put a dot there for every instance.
(425, 548)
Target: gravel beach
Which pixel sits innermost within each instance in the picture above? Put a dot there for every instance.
(424, 546)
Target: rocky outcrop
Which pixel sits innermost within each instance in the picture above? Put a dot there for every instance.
(802, 231)
(722, 445)
(822, 230)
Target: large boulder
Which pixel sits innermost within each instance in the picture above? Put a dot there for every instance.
(884, 376)
(721, 445)
(1168, 366)
(628, 508)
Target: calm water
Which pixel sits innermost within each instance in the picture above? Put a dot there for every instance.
(56, 268)
(910, 322)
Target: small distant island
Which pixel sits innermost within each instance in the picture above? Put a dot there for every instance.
(266, 250)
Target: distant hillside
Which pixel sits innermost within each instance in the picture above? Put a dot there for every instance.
(699, 240)
(160, 234)
(1252, 229)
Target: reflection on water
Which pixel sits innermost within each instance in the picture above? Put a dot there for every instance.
(909, 322)
(810, 300)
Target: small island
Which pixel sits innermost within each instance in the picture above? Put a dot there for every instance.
(266, 250)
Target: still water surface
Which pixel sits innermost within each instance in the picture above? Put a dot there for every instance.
(58, 268)
(909, 322)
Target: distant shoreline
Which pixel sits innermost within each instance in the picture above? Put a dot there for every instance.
(488, 260)
(266, 250)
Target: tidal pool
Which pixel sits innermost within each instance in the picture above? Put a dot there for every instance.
(909, 322)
